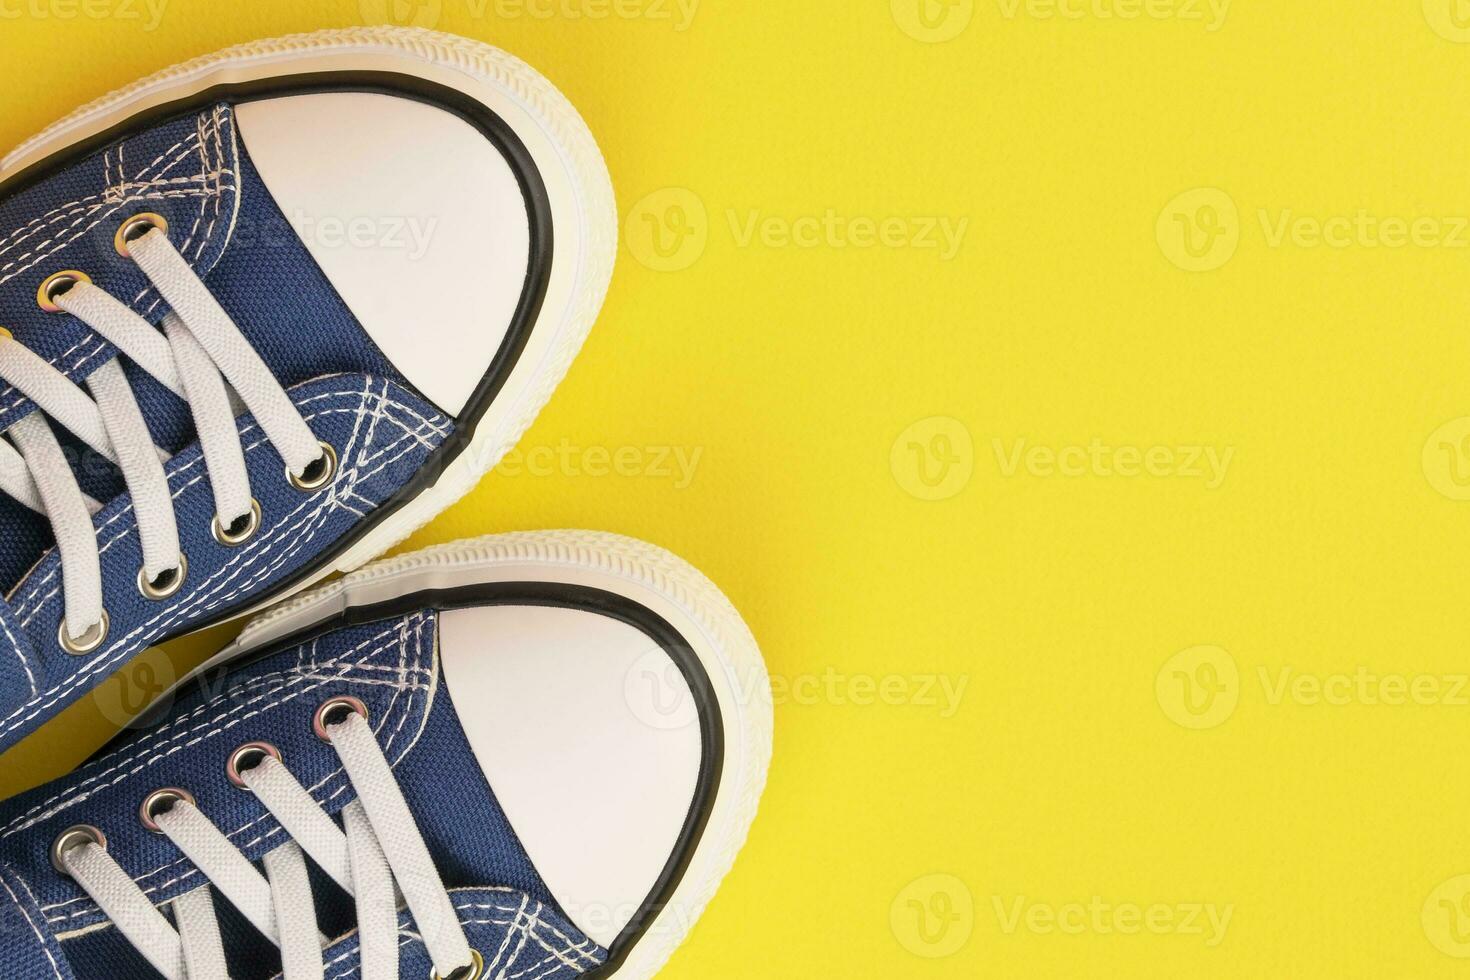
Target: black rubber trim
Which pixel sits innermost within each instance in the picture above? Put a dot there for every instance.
(584, 599)
(528, 310)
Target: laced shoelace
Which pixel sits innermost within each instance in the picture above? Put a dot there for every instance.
(201, 356)
(380, 860)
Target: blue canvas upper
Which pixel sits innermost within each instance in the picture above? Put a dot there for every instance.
(195, 172)
(50, 928)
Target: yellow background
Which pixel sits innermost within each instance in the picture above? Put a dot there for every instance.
(1121, 641)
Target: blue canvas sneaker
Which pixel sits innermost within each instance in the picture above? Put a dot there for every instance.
(265, 314)
(532, 756)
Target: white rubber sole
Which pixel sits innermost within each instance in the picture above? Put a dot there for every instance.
(644, 573)
(584, 211)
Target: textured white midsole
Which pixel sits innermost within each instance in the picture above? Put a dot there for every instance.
(584, 212)
(644, 573)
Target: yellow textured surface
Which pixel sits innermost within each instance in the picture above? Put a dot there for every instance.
(1074, 397)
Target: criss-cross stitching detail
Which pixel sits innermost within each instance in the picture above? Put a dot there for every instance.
(64, 227)
(214, 144)
(264, 555)
(218, 151)
(114, 191)
(410, 703)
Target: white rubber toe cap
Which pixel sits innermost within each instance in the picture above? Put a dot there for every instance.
(414, 216)
(586, 732)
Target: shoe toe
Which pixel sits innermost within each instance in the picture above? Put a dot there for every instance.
(588, 734)
(413, 214)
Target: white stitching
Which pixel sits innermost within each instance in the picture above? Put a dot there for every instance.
(5, 873)
(207, 596)
(22, 607)
(162, 749)
(210, 182)
(20, 653)
(408, 629)
(479, 914)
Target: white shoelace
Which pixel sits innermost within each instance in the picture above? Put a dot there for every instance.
(381, 845)
(198, 354)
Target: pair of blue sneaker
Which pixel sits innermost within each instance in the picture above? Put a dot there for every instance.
(265, 314)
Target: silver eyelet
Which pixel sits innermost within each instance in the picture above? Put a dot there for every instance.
(231, 537)
(165, 586)
(90, 640)
(55, 285)
(327, 714)
(246, 758)
(474, 971)
(73, 837)
(318, 474)
(135, 228)
(160, 802)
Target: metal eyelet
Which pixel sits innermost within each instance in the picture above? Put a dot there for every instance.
(334, 712)
(165, 586)
(6, 334)
(56, 285)
(246, 758)
(160, 802)
(135, 228)
(474, 971)
(72, 837)
(90, 640)
(318, 474)
(241, 531)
